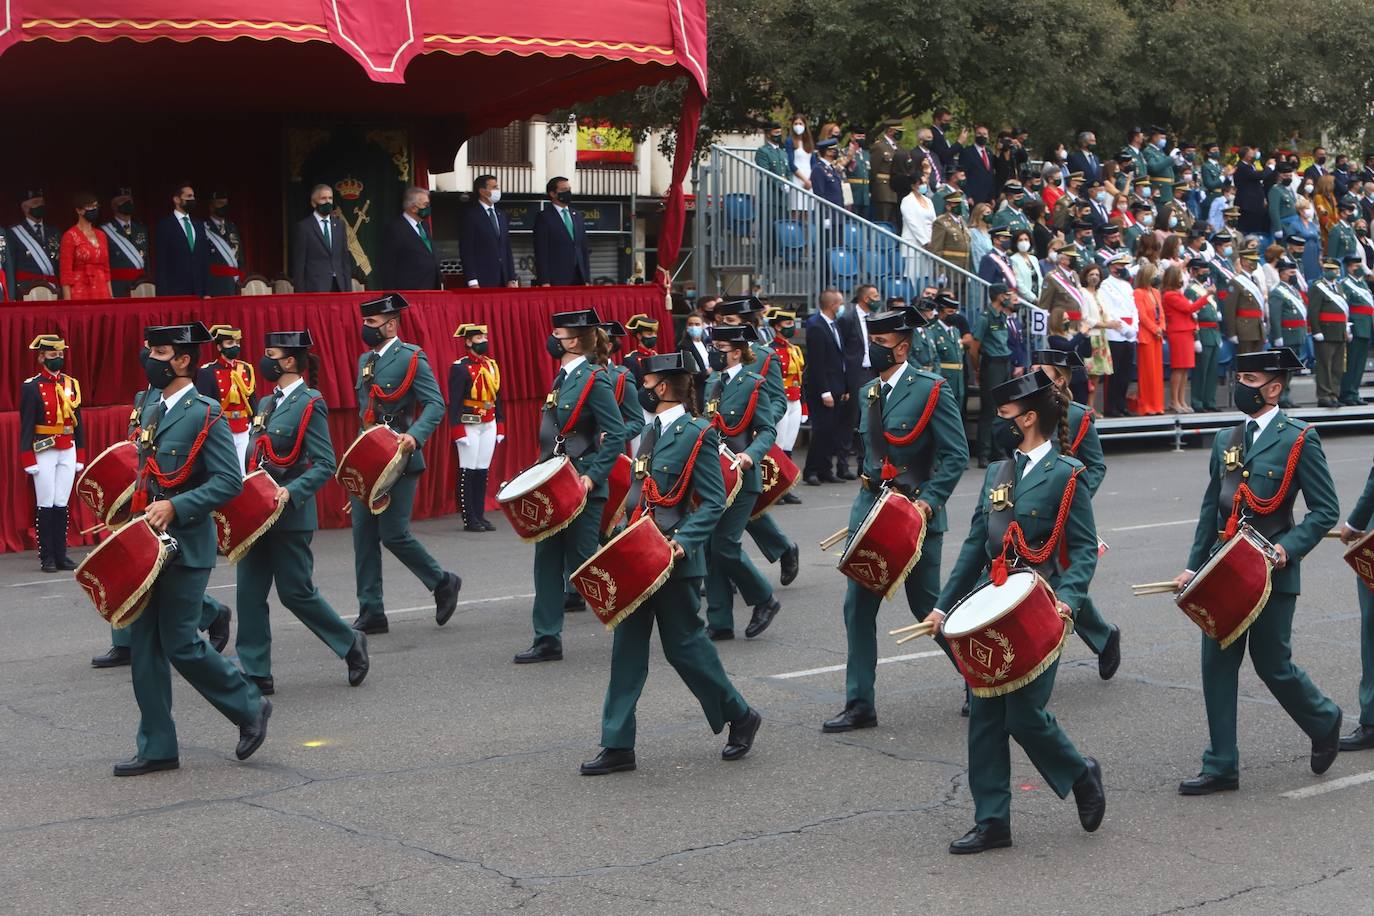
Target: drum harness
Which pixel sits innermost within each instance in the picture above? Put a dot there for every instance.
(666, 507)
(1013, 539)
(560, 436)
(262, 446)
(906, 480)
(168, 481)
(376, 394)
(1269, 520)
(736, 437)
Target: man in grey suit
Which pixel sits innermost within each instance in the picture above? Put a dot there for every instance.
(320, 259)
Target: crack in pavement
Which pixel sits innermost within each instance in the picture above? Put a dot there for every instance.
(1283, 888)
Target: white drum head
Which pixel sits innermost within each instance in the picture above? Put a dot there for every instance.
(530, 479)
(988, 603)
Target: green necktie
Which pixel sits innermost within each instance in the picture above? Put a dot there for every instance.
(1251, 430)
(424, 236)
(567, 221)
(1022, 459)
(190, 233)
(328, 236)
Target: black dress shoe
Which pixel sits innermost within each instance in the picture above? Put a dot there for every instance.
(266, 686)
(357, 660)
(828, 478)
(982, 838)
(540, 652)
(719, 635)
(371, 623)
(741, 737)
(1110, 659)
(963, 710)
(252, 736)
(573, 603)
(1361, 739)
(852, 718)
(763, 616)
(218, 633)
(1203, 784)
(791, 499)
(846, 474)
(66, 564)
(790, 562)
(114, 657)
(48, 566)
(1090, 796)
(1324, 751)
(812, 480)
(137, 766)
(446, 598)
(610, 760)
(486, 525)
(473, 526)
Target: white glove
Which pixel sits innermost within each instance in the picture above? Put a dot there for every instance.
(1279, 234)
(472, 283)
(1197, 346)
(500, 437)
(1349, 334)
(1234, 339)
(32, 471)
(80, 467)
(1319, 337)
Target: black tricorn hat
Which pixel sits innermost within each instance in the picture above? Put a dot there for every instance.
(674, 362)
(1280, 359)
(896, 321)
(1064, 359)
(582, 318)
(1023, 386)
(178, 335)
(288, 340)
(390, 304)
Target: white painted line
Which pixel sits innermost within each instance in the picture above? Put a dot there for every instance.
(1182, 521)
(35, 582)
(1322, 788)
(829, 668)
(419, 608)
(211, 588)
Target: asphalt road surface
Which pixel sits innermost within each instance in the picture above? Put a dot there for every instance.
(448, 782)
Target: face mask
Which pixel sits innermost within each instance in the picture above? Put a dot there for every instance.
(158, 371)
(126, 208)
(839, 312)
(1331, 274)
(695, 331)
(775, 138)
(143, 353)
(981, 141)
(881, 358)
(1103, 197)
(221, 210)
(270, 369)
(37, 212)
(91, 215)
(1187, 178)
(789, 333)
(565, 197)
(1321, 160)
(188, 205)
(1160, 143)
(1023, 246)
(554, 346)
(1173, 221)
(648, 399)
(480, 347)
(649, 342)
(326, 208)
(1307, 189)
(717, 360)
(1227, 251)
(861, 142)
(372, 336)
(1146, 193)
(1063, 154)
(1148, 219)
(1017, 200)
(798, 129)
(1006, 435)
(54, 363)
(1307, 213)
(231, 352)
(424, 211)
(495, 196)
(1248, 400)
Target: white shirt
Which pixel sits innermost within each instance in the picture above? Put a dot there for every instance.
(1118, 301)
(733, 371)
(183, 221)
(1263, 420)
(918, 218)
(171, 400)
(666, 418)
(834, 332)
(892, 380)
(322, 220)
(571, 367)
(863, 332)
(1036, 455)
(414, 223)
(283, 392)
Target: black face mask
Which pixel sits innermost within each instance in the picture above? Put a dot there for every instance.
(1006, 435)
(126, 208)
(1321, 160)
(143, 353)
(372, 336)
(717, 360)
(231, 352)
(649, 342)
(54, 363)
(270, 369)
(91, 215)
(881, 358)
(565, 197)
(554, 346)
(38, 211)
(1248, 400)
(188, 204)
(775, 138)
(222, 209)
(325, 208)
(480, 347)
(789, 333)
(158, 371)
(648, 399)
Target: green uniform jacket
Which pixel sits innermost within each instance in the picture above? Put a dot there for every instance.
(1213, 182)
(733, 401)
(942, 447)
(1358, 295)
(388, 372)
(1089, 451)
(773, 159)
(313, 466)
(1324, 313)
(1283, 204)
(1010, 217)
(992, 333)
(1210, 337)
(1360, 516)
(626, 390)
(216, 478)
(767, 364)
(1265, 464)
(924, 354)
(1285, 304)
(595, 463)
(1341, 241)
(1160, 168)
(671, 452)
(948, 346)
(1242, 298)
(1137, 160)
(1036, 500)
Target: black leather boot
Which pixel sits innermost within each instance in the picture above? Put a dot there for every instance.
(479, 498)
(60, 522)
(42, 529)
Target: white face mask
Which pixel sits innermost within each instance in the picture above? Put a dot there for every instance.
(1307, 213)
(1307, 189)
(1063, 154)
(1146, 193)
(495, 196)
(1023, 246)
(798, 129)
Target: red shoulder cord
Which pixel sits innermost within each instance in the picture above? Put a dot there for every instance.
(1264, 506)
(377, 394)
(890, 470)
(748, 417)
(620, 388)
(167, 481)
(577, 408)
(262, 447)
(653, 496)
(1015, 538)
(1082, 431)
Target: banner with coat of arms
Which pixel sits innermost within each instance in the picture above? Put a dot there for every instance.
(602, 143)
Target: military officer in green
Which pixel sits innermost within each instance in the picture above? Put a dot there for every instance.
(1159, 166)
(1287, 316)
(1062, 214)
(1245, 307)
(394, 382)
(920, 451)
(226, 248)
(924, 354)
(669, 480)
(953, 184)
(1014, 525)
(1328, 317)
(949, 235)
(1221, 261)
(1085, 445)
(580, 419)
(1132, 153)
(192, 468)
(1362, 738)
(856, 169)
(1084, 244)
(1174, 215)
(1341, 240)
(772, 158)
(1112, 246)
(1205, 360)
(1008, 214)
(1360, 298)
(949, 346)
(887, 157)
(128, 243)
(1283, 202)
(291, 443)
(993, 361)
(1214, 180)
(737, 404)
(1142, 192)
(1277, 456)
(1143, 221)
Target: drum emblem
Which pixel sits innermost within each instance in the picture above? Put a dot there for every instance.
(1363, 567)
(537, 513)
(591, 588)
(981, 654)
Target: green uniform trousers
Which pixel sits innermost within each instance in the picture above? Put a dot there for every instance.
(728, 563)
(209, 611)
(954, 378)
(1357, 351)
(692, 655)
(992, 371)
(1269, 638)
(166, 632)
(391, 528)
(1022, 715)
(772, 543)
(1366, 598)
(555, 559)
(1091, 626)
(1330, 368)
(1205, 377)
(283, 557)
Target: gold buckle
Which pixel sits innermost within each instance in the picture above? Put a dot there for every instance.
(1232, 458)
(641, 467)
(1000, 497)
(551, 400)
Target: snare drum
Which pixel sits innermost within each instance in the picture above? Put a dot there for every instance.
(248, 516)
(1231, 588)
(618, 487)
(887, 545)
(778, 475)
(729, 469)
(1005, 636)
(118, 575)
(621, 576)
(543, 500)
(1360, 556)
(107, 484)
(371, 467)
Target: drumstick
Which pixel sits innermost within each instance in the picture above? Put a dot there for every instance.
(1333, 534)
(923, 625)
(905, 639)
(1157, 590)
(835, 538)
(1151, 585)
(98, 526)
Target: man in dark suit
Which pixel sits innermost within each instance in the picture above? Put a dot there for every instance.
(1318, 167)
(320, 259)
(853, 327)
(980, 182)
(1084, 159)
(940, 145)
(560, 240)
(182, 254)
(1252, 191)
(408, 260)
(484, 237)
(824, 387)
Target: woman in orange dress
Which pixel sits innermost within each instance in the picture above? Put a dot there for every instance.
(1149, 350)
(85, 258)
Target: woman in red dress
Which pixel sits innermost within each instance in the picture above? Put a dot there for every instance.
(85, 259)
(1149, 350)
(1181, 316)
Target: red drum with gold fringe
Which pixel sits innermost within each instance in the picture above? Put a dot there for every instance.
(621, 576)
(248, 516)
(544, 499)
(619, 493)
(729, 469)
(1360, 556)
(107, 484)
(886, 546)
(119, 574)
(371, 467)
(779, 475)
(1004, 636)
(1231, 588)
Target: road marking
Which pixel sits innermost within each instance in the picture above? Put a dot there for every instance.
(35, 582)
(829, 668)
(1182, 521)
(211, 588)
(430, 607)
(1331, 786)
